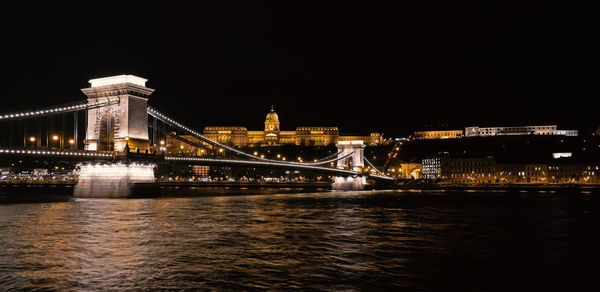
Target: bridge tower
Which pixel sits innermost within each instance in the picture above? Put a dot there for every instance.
(126, 122)
(354, 162)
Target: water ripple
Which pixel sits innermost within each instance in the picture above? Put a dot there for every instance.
(321, 241)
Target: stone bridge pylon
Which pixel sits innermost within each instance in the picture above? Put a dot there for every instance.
(124, 122)
(354, 161)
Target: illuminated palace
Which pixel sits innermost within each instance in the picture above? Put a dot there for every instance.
(272, 135)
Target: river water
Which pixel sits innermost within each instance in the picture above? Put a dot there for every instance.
(247, 240)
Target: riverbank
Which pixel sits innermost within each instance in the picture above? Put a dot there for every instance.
(16, 192)
(61, 191)
(246, 184)
(512, 187)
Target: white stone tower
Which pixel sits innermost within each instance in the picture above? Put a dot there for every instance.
(126, 122)
(355, 161)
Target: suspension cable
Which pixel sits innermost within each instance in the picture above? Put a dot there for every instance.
(330, 156)
(181, 139)
(72, 107)
(372, 166)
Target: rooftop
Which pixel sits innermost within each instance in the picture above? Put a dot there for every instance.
(119, 79)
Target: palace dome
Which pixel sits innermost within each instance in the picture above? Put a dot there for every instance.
(272, 116)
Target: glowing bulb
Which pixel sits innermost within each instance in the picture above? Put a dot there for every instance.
(55, 137)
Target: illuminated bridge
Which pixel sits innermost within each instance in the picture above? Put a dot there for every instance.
(124, 141)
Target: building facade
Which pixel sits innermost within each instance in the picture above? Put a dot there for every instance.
(446, 134)
(485, 170)
(573, 133)
(273, 135)
(411, 170)
(468, 170)
(476, 131)
(431, 168)
(201, 170)
(227, 135)
(460, 170)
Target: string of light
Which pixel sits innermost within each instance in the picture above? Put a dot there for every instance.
(58, 153)
(247, 162)
(57, 110)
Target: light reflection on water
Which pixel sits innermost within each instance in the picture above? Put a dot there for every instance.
(370, 240)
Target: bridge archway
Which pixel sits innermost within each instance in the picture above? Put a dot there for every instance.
(350, 163)
(106, 134)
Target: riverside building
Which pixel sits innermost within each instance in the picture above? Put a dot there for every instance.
(460, 170)
(485, 170)
(476, 131)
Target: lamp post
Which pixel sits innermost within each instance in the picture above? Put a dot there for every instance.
(54, 139)
(162, 146)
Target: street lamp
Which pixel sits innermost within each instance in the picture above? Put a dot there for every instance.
(32, 140)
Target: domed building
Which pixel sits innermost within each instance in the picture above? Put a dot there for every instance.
(272, 128)
(272, 135)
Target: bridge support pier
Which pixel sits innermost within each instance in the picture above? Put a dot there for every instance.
(115, 181)
(349, 183)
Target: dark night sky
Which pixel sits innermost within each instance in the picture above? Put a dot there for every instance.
(361, 66)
